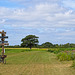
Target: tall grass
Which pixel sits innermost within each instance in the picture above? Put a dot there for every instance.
(73, 65)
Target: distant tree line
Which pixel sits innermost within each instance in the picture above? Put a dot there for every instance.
(45, 45)
(50, 45)
(14, 46)
(31, 41)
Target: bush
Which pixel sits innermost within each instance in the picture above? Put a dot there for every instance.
(58, 50)
(62, 56)
(50, 50)
(73, 56)
(54, 50)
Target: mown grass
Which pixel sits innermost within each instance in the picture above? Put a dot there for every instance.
(34, 63)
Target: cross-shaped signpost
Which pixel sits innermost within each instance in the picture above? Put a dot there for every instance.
(2, 43)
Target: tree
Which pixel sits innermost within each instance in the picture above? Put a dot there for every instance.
(47, 45)
(30, 41)
(66, 45)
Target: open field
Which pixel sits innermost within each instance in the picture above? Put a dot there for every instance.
(34, 63)
(18, 50)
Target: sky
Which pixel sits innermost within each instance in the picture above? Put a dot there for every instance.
(51, 20)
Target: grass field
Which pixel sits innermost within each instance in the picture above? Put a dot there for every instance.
(39, 62)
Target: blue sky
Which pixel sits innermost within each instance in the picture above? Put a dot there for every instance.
(51, 20)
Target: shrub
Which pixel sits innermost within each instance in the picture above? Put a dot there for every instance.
(50, 50)
(58, 50)
(73, 56)
(54, 50)
(62, 56)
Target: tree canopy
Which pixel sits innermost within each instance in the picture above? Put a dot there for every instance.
(47, 45)
(30, 41)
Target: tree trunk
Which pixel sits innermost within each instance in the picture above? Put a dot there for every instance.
(30, 47)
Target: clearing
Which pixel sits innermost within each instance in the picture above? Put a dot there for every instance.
(35, 63)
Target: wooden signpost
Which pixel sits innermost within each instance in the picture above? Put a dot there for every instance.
(2, 43)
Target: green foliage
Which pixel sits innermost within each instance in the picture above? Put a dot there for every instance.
(62, 56)
(47, 45)
(67, 45)
(73, 56)
(57, 50)
(44, 45)
(30, 41)
(54, 50)
(15, 46)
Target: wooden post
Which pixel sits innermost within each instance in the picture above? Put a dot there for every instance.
(3, 42)
(2, 53)
(2, 50)
(3, 34)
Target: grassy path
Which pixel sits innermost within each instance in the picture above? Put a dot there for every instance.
(35, 63)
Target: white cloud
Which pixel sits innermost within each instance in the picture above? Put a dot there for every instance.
(2, 21)
(44, 15)
(47, 17)
(69, 3)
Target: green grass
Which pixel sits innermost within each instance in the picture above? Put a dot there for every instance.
(35, 63)
(18, 50)
(54, 50)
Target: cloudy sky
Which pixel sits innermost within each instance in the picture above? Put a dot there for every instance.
(51, 20)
